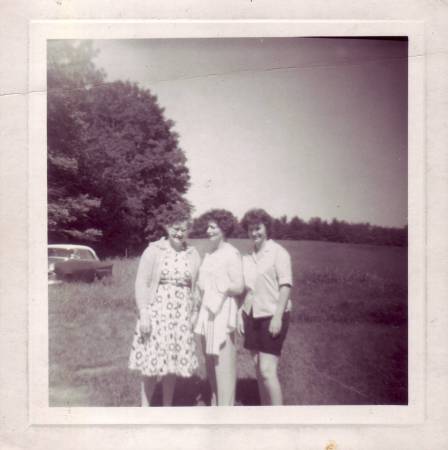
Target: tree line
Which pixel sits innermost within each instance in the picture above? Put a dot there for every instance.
(317, 229)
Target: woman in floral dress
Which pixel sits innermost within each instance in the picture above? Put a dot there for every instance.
(163, 345)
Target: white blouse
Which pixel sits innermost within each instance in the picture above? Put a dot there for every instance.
(220, 280)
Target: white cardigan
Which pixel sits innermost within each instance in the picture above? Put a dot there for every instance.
(220, 280)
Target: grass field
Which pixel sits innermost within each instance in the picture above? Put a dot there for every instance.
(347, 342)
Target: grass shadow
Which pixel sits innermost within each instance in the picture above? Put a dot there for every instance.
(195, 391)
(247, 392)
(191, 391)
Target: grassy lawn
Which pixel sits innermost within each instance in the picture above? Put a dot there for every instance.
(347, 342)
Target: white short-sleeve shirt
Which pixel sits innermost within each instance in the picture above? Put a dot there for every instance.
(264, 273)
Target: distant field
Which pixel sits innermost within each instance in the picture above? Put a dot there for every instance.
(347, 342)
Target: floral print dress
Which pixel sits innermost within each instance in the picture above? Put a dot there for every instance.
(170, 348)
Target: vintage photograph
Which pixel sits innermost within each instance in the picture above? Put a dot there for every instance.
(227, 221)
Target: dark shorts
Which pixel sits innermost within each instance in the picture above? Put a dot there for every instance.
(257, 337)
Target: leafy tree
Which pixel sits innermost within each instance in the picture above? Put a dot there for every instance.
(70, 204)
(114, 161)
(315, 228)
(296, 229)
(132, 161)
(280, 228)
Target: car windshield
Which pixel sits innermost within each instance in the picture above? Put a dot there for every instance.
(59, 252)
(81, 253)
(76, 253)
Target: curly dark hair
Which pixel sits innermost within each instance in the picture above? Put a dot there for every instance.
(256, 216)
(225, 220)
(174, 213)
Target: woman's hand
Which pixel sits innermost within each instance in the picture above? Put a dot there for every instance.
(275, 325)
(194, 319)
(240, 322)
(145, 324)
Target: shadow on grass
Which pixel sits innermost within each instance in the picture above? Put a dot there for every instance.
(195, 391)
(247, 392)
(188, 392)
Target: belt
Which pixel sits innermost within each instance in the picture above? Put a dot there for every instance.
(176, 283)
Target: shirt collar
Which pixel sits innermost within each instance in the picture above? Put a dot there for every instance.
(266, 249)
(163, 244)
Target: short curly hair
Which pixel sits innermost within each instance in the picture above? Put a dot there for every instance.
(225, 220)
(172, 213)
(257, 216)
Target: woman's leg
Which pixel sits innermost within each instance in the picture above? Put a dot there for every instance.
(264, 396)
(211, 376)
(268, 379)
(147, 389)
(168, 385)
(225, 370)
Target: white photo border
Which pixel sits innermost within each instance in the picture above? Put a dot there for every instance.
(39, 410)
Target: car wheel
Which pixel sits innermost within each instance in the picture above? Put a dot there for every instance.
(69, 277)
(89, 277)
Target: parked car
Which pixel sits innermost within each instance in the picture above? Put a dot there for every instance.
(68, 262)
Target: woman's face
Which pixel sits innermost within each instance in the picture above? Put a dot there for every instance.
(258, 233)
(214, 233)
(177, 233)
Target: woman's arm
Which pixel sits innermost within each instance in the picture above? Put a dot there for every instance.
(276, 322)
(283, 269)
(227, 280)
(235, 273)
(196, 292)
(142, 288)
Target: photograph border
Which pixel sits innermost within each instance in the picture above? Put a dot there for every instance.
(40, 412)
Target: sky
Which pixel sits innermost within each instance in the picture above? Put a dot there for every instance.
(313, 127)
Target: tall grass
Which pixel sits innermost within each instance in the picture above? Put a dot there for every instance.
(347, 341)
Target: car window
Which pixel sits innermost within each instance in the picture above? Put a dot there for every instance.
(59, 252)
(84, 254)
(77, 253)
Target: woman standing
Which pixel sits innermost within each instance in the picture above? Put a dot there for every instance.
(264, 316)
(164, 345)
(220, 281)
